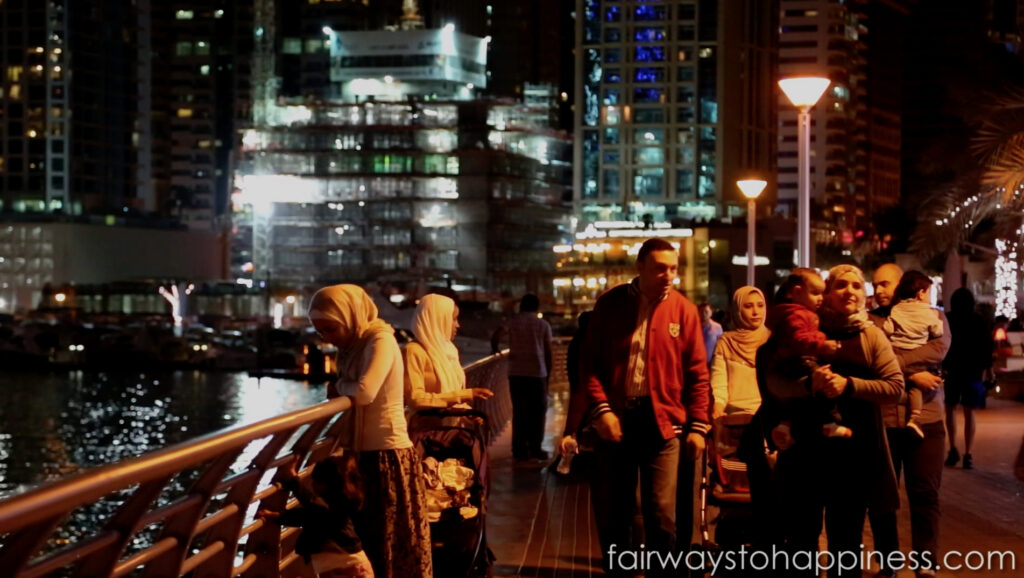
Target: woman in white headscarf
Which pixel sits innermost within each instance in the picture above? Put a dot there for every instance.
(393, 524)
(434, 377)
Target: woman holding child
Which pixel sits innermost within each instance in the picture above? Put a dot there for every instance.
(820, 471)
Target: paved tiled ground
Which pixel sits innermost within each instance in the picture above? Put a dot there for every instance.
(540, 523)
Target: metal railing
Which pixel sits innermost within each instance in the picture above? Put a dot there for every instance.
(189, 508)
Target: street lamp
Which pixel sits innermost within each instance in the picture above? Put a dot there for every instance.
(804, 92)
(751, 189)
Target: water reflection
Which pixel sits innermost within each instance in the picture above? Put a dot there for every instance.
(55, 424)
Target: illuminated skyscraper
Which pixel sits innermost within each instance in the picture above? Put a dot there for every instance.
(674, 102)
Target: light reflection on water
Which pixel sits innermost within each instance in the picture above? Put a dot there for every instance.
(52, 425)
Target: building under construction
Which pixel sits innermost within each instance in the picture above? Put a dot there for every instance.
(402, 177)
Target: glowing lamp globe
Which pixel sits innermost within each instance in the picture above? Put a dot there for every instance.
(804, 91)
(751, 188)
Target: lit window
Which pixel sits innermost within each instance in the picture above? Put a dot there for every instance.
(184, 15)
(184, 113)
(204, 69)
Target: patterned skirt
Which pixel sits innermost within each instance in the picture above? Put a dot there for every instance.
(393, 524)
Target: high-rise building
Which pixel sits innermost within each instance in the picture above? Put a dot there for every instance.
(674, 102)
(402, 177)
(192, 112)
(118, 108)
(822, 38)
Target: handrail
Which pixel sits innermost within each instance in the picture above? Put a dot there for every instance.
(205, 529)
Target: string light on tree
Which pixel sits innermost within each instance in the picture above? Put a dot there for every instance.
(1006, 279)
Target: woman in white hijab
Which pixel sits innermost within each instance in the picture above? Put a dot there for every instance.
(434, 377)
(393, 524)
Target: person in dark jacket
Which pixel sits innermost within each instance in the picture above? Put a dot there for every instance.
(970, 355)
(328, 540)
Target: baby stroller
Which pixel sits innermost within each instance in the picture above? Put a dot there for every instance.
(453, 449)
(723, 511)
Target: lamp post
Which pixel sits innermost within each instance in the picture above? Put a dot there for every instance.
(804, 92)
(751, 189)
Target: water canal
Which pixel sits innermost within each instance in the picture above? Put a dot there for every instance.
(55, 424)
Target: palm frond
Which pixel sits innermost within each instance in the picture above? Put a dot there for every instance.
(1007, 173)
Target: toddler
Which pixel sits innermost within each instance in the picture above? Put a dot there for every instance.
(912, 323)
(328, 540)
(793, 322)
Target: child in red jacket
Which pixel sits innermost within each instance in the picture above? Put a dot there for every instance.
(794, 325)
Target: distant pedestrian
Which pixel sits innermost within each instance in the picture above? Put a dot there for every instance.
(529, 366)
(970, 356)
(711, 330)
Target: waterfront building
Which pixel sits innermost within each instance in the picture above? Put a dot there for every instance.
(404, 177)
(36, 255)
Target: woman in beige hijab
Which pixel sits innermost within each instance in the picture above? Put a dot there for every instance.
(733, 376)
(393, 523)
(434, 377)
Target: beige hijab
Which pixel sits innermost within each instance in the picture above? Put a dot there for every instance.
(745, 339)
(433, 329)
(352, 308)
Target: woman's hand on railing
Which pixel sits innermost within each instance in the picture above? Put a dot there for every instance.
(481, 393)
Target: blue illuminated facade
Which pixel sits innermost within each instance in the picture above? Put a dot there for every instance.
(656, 134)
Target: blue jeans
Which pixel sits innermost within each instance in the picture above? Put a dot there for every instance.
(644, 456)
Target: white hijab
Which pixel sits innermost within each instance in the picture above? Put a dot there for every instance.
(352, 308)
(433, 329)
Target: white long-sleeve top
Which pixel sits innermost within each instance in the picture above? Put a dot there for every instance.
(378, 398)
(733, 381)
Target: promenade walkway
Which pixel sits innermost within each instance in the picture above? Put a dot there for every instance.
(540, 523)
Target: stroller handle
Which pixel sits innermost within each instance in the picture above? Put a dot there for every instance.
(451, 412)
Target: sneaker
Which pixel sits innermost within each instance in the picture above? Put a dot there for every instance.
(953, 457)
(968, 462)
(916, 429)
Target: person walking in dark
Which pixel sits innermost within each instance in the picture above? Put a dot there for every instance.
(529, 365)
(645, 373)
(970, 356)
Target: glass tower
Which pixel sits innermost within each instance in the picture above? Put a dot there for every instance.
(674, 100)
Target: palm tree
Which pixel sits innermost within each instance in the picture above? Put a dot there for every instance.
(993, 196)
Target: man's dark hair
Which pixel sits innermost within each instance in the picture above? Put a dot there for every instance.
(529, 303)
(910, 284)
(962, 301)
(652, 245)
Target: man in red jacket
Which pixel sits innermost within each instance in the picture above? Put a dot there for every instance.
(645, 377)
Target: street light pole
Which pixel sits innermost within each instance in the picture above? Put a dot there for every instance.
(803, 240)
(804, 92)
(751, 189)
